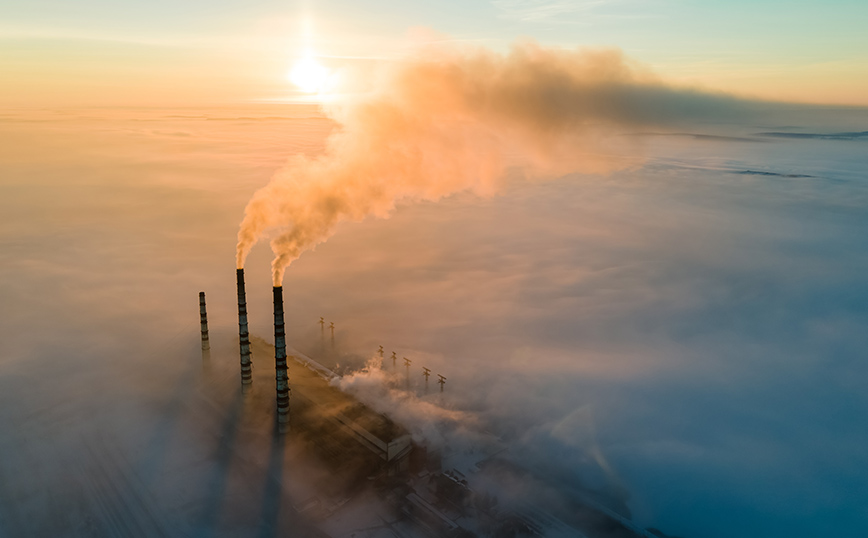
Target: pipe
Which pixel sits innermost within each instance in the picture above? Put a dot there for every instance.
(243, 334)
(203, 320)
(280, 358)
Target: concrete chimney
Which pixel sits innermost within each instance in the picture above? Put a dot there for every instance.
(203, 320)
(280, 359)
(243, 334)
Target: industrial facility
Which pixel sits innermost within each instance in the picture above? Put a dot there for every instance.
(386, 480)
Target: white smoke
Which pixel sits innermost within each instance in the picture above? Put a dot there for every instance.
(449, 120)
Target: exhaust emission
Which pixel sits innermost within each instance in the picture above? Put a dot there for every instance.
(280, 359)
(243, 335)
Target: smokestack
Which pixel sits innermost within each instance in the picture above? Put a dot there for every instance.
(280, 358)
(203, 319)
(243, 335)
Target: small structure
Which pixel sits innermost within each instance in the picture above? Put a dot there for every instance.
(427, 373)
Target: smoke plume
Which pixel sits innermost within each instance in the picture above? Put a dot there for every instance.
(450, 120)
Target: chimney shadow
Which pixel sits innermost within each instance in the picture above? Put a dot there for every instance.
(272, 496)
(216, 484)
(169, 416)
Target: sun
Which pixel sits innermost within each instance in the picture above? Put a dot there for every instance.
(309, 75)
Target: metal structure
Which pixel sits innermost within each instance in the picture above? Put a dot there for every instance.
(280, 359)
(243, 334)
(394, 359)
(203, 320)
(407, 364)
(442, 381)
(427, 373)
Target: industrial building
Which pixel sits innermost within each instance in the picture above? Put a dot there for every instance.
(383, 482)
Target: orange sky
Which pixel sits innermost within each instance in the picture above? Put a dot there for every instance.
(156, 54)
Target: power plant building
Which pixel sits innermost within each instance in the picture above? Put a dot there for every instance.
(316, 403)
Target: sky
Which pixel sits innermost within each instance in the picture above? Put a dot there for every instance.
(641, 271)
(160, 52)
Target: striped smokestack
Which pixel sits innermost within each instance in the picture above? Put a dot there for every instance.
(280, 358)
(243, 335)
(203, 320)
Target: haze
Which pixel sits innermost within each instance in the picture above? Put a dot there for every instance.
(653, 286)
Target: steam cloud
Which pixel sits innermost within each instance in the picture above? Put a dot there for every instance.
(450, 120)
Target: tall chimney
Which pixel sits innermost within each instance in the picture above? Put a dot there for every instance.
(243, 335)
(280, 358)
(203, 320)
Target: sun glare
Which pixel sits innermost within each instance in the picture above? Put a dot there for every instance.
(309, 75)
